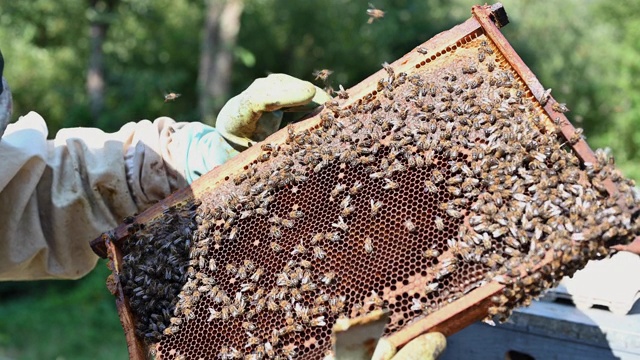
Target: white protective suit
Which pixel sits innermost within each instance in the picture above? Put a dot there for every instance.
(58, 195)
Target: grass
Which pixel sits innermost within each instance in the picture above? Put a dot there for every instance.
(60, 320)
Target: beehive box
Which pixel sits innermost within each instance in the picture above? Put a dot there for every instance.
(448, 187)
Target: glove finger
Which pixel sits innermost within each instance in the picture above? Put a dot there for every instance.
(238, 119)
(268, 123)
(319, 98)
(425, 347)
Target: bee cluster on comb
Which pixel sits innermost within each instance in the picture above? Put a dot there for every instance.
(428, 187)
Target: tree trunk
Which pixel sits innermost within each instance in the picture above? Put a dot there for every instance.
(99, 25)
(221, 28)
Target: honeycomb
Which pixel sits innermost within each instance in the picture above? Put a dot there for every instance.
(409, 198)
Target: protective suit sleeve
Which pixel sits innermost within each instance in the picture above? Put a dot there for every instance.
(57, 195)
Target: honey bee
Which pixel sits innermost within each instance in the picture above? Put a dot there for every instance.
(560, 107)
(357, 186)
(374, 14)
(296, 214)
(390, 184)
(454, 213)
(431, 287)
(431, 253)
(368, 245)
(332, 236)
(347, 211)
(577, 136)
(345, 202)
(256, 275)
(481, 56)
(341, 224)
(388, 69)
(327, 279)
(337, 190)
(231, 269)
(342, 93)
(319, 253)
(469, 69)
(422, 50)
(437, 177)
(289, 351)
(309, 286)
(411, 227)
(319, 321)
(299, 249)
(288, 223)
(322, 74)
(275, 232)
(276, 247)
(317, 238)
(375, 207)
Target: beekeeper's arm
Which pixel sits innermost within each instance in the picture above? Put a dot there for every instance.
(57, 195)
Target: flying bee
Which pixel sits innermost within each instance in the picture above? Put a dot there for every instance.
(322, 74)
(560, 107)
(368, 245)
(171, 96)
(374, 14)
(411, 227)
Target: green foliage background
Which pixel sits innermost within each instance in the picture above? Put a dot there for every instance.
(587, 51)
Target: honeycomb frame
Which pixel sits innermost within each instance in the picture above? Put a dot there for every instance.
(448, 319)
